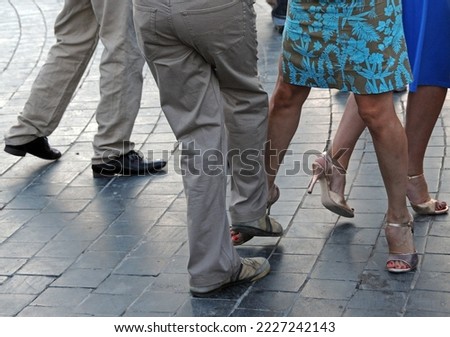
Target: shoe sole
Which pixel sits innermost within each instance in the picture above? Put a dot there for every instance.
(264, 272)
(338, 210)
(330, 205)
(22, 153)
(122, 173)
(15, 152)
(255, 231)
(105, 173)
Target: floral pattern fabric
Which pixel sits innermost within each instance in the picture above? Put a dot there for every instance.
(350, 45)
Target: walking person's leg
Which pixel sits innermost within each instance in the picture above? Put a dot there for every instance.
(121, 82)
(378, 113)
(192, 101)
(246, 108)
(422, 111)
(76, 33)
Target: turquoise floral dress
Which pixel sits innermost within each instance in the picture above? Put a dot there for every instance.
(350, 45)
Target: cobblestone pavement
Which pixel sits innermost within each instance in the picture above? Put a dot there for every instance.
(72, 245)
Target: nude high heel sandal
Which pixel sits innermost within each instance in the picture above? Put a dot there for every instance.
(428, 207)
(410, 260)
(324, 169)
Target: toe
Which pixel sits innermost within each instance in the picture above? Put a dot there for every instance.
(398, 265)
(441, 205)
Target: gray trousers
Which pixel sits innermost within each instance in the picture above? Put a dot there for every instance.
(203, 55)
(78, 27)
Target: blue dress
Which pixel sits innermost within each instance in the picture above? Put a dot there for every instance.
(350, 45)
(427, 32)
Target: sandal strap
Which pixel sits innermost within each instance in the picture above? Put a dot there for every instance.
(333, 161)
(408, 258)
(415, 177)
(405, 224)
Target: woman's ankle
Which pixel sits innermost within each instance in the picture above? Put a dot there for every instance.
(417, 189)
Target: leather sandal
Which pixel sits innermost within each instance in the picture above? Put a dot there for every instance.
(238, 238)
(264, 226)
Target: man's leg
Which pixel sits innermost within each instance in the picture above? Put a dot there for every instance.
(234, 55)
(120, 93)
(120, 79)
(192, 102)
(76, 34)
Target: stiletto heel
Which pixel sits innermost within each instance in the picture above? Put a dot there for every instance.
(429, 207)
(410, 260)
(324, 173)
(314, 178)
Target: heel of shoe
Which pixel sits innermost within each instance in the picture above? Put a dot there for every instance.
(317, 175)
(15, 151)
(312, 183)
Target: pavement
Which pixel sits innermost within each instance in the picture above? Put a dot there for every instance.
(72, 245)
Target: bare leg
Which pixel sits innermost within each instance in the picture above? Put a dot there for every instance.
(428, 102)
(378, 113)
(284, 115)
(422, 112)
(347, 134)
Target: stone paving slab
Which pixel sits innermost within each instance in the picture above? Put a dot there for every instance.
(71, 245)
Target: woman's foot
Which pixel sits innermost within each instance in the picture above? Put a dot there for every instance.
(237, 237)
(402, 253)
(245, 231)
(419, 197)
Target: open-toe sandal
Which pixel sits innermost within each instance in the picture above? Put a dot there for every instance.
(239, 238)
(408, 260)
(431, 206)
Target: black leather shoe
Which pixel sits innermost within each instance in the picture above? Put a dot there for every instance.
(38, 147)
(128, 164)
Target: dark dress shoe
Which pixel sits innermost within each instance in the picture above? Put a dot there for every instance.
(128, 164)
(38, 147)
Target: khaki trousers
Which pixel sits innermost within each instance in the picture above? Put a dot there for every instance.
(78, 27)
(203, 55)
